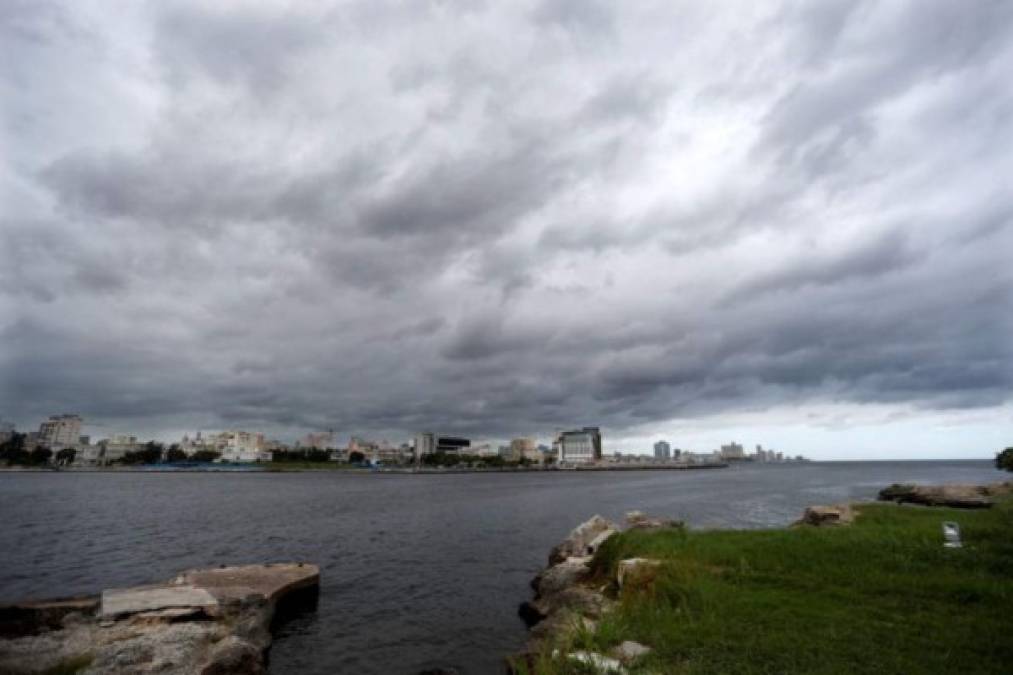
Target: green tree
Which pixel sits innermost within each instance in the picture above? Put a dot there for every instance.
(12, 451)
(175, 454)
(205, 456)
(39, 456)
(151, 453)
(356, 457)
(66, 456)
(1004, 460)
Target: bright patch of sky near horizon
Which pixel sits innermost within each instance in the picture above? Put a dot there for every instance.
(782, 223)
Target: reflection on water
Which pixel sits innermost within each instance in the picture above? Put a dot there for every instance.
(416, 571)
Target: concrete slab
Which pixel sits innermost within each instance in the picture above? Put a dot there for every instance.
(237, 582)
(118, 602)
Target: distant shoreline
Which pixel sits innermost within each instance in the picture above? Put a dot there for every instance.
(345, 469)
(268, 468)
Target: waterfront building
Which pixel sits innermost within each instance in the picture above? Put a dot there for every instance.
(60, 431)
(452, 444)
(321, 441)
(359, 444)
(662, 450)
(580, 446)
(427, 442)
(732, 452)
(386, 454)
(107, 450)
(524, 448)
(239, 446)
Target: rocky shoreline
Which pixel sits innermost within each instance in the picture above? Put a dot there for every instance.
(571, 595)
(208, 621)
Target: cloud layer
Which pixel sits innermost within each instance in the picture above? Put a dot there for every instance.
(381, 216)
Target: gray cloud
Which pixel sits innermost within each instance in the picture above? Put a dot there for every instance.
(378, 217)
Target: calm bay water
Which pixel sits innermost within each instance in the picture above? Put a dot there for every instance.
(417, 571)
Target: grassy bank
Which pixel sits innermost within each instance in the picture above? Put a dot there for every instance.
(880, 596)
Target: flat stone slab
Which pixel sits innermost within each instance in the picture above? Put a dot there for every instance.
(198, 622)
(118, 602)
(241, 581)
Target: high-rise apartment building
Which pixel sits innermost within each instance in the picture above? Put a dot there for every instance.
(60, 430)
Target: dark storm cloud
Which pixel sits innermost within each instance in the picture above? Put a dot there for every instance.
(888, 253)
(382, 217)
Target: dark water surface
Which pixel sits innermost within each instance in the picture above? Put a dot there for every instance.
(416, 571)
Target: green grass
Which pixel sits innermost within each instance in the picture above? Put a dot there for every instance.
(880, 596)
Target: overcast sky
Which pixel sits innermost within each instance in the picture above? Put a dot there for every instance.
(780, 223)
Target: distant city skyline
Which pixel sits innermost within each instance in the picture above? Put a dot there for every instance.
(780, 222)
(704, 441)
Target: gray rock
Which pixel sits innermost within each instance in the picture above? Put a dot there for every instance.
(633, 567)
(234, 656)
(597, 542)
(561, 576)
(578, 599)
(596, 662)
(822, 516)
(630, 651)
(204, 621)
(578, 540)
(638, 520)
(953, 496)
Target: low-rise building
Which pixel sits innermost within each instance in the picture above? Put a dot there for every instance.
(107, 451)
(427, 443)
(236, 445)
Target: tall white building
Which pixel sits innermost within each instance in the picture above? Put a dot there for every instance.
(425, 444)
(581, 446)
(60, 431)
(732, 451)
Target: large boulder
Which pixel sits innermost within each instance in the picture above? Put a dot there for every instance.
(633, 568)
(576, 544)
(821, 516)
(234, 656)
(578, 600)
(559, 577)
(953, 496)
